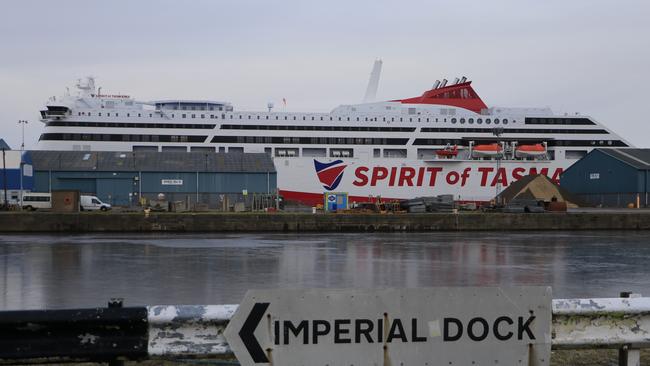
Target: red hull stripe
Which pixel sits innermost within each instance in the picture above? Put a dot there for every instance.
(313, 199)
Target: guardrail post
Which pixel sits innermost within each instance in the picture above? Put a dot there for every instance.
(626, 355)
(116, 302)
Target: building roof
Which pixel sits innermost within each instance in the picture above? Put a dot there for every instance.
(166, 161)
(637, 158)
(4, 145)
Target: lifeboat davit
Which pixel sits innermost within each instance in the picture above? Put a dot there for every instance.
(524, 151)
(487, 150)
(448, 152)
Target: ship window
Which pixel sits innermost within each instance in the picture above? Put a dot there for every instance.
(150, 115)
(128, 114)
(267, 117)
(376, 153)
(117, 115)
(172, 115)
(505, 121)
(401, 119)
(203, 116)
(321, 118)
(357, 119)
(487, 121)
(470, 121)
(249, 116)
(462, 120)
(276, 118)
(479, 121)
(139, 115)
(89, 114)
(258, 117)
(100, 114)
(453, 120)
(193, 115)
(496, 121)
(304, 118)
(108, 114)
(184, 115)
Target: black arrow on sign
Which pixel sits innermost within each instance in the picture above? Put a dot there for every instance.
(247, 330)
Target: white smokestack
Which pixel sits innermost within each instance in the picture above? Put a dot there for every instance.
(373, 83)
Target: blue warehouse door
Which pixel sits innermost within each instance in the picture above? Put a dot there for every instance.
(116, 191)
(84, 186)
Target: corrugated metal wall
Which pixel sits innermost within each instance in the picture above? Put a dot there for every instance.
(122, 188)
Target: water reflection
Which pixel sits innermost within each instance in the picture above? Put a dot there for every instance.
(86, 270)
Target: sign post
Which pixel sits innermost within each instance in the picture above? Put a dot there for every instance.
(430, 326)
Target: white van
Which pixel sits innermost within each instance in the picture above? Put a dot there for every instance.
(90, 203)
(37, 201)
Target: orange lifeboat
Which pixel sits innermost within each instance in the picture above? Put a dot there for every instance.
(524, 151)
(487, 150)
(448, 152)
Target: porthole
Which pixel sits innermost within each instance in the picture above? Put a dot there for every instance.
(496, 121)
(462, 121)
(453, 120)
(470, 121)
(505, 121)
(487, 121)
(479, 121)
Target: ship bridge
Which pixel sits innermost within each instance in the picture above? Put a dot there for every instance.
(192, 105)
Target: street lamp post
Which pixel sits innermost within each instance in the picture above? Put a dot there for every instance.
(497, 131)
(22, 122)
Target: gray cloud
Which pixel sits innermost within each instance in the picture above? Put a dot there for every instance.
(586, 56)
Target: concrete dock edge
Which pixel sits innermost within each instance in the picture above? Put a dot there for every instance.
(299, 222)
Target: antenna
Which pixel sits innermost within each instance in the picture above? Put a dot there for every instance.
(373, 83)
(444, 83)
(463, 79)
(455, 81)
(436, 84)
(269, 105)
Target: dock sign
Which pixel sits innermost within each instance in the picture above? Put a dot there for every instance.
(423, 326)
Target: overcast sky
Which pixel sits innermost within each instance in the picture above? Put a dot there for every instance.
(587, 56)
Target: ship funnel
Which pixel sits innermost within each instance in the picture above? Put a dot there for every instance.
(463, 79)
(436, 84)
(455, 81)
(444, 83)
(373, 83)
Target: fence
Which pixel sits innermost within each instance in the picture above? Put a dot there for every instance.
(196, 331)
(616, 199)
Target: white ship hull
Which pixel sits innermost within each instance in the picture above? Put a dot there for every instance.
(364, 180)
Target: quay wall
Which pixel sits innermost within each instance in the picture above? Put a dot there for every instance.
(299, 222)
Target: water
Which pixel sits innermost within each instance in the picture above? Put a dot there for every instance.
(51, 271)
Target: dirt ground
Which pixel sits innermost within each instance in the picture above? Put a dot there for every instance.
(558, 358)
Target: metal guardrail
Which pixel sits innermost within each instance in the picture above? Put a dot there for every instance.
(196, 331)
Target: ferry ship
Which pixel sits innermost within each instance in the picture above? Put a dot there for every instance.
(444, 141)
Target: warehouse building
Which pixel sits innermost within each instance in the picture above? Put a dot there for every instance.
(121, 178)
(12, 182)
(611, 177)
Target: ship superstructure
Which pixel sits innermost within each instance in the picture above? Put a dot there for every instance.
(445, 141)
